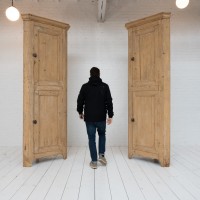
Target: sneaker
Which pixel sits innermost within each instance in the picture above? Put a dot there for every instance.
(93, 165)
(102, 160)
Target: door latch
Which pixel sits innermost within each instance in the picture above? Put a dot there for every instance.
(35, 55)
(34, 121)
(133, 58)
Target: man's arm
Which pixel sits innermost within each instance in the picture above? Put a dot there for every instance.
(109, 105)
(81, 103)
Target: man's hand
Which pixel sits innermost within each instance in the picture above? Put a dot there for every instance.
(81, 116)
(109, 121)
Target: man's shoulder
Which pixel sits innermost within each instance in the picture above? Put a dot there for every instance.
(105, 84)
(85, 85)
(102, 84)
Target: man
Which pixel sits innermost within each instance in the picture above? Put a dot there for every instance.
(96, 102)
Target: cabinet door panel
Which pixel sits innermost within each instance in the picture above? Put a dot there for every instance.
(47, 45)
(45, 93)
(148, 87)
(48, 104)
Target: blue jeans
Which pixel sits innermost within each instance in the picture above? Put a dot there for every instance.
(91, 131)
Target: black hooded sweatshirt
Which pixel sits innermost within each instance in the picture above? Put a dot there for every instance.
(96, 100)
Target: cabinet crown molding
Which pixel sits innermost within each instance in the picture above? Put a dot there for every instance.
(30, 17)
(159, 16)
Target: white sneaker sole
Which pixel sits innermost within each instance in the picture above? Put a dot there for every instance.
(102, 162)
(93, 167)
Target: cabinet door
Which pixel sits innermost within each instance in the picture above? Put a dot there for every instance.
(49, 109)
(145, 100)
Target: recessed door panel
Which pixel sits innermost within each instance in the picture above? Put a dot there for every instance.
(145, 120)
(147, 51)
(49, 62)
(47, 130)
(145, 68)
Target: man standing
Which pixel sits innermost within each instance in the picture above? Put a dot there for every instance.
(96, 102)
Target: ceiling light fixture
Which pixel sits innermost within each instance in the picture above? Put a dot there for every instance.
(12, 13)
(182, 3)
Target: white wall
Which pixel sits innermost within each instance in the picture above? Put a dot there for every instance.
(103, 45)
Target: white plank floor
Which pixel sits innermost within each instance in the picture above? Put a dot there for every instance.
(121, 179)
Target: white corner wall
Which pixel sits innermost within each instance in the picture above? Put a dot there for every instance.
(104, 45)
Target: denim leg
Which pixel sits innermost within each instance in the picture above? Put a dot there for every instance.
(101, 128)
(91, 131)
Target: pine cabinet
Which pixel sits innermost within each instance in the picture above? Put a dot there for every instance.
(45, 88)
(149, 88)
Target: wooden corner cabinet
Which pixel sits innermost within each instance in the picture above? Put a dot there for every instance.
(149, 88)
(45, 88)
